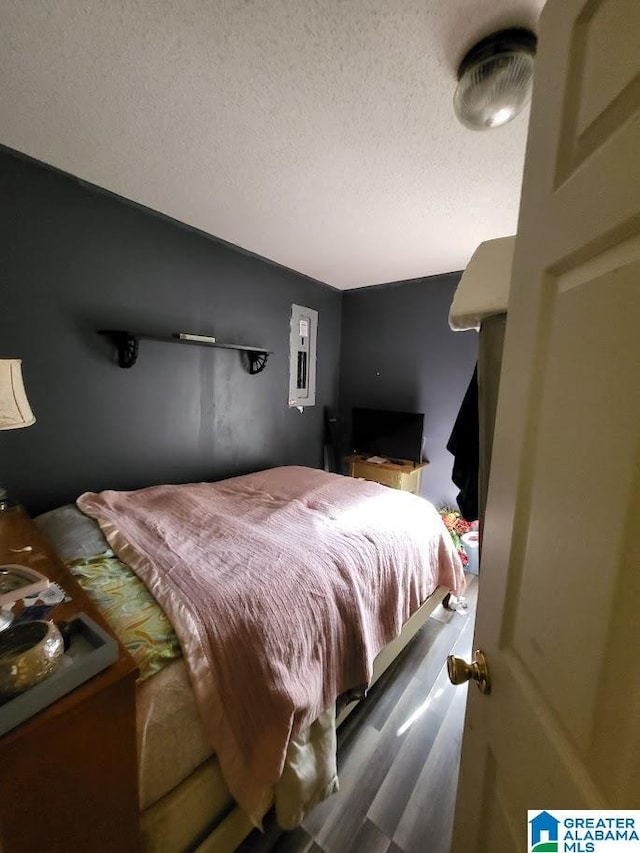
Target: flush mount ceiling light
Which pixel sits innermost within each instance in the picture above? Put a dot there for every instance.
(495, 79)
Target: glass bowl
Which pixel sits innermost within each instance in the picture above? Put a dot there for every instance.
(29, 652)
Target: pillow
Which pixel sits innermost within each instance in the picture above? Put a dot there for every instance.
(132, 612)
(136, 617)
(72, 533)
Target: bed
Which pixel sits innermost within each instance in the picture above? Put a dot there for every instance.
(358, 567)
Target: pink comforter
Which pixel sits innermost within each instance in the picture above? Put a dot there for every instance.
(282, 587)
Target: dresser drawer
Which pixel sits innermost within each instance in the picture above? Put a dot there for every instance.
(403, 476)
(379, 475)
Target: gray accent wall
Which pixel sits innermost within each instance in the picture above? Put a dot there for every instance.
(75, 260)
(399, 353)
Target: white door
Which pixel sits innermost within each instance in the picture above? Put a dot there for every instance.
(558, 614)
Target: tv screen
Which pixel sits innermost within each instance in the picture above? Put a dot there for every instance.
(392, 435)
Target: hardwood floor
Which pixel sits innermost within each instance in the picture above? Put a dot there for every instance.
(398, 757)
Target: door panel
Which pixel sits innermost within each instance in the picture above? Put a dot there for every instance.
(602, 80)
(604, 73)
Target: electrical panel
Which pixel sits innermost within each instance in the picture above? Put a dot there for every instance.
(302, 356)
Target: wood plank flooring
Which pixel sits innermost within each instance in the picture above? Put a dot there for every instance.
(398, 757)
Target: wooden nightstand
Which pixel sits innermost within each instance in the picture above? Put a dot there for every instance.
(401, 475)
(68, 775)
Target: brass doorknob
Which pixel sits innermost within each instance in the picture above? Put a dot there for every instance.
(460, 671)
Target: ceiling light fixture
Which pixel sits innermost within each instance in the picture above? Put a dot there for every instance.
(495, 79)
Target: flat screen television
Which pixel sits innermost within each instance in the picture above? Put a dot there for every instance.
(392, 435)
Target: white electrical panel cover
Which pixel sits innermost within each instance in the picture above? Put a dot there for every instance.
(302, 356)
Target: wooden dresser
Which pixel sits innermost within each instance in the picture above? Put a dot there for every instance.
(68, 775)
(401, 475)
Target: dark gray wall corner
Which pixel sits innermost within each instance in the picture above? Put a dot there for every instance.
(399, 353)
(74, 261)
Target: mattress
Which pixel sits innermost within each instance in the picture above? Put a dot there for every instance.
(171, 739)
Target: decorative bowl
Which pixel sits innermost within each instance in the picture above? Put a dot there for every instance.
(29, 652)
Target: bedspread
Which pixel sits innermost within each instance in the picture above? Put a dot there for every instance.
(282, 587)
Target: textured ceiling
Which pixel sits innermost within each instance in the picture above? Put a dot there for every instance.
(317, 133)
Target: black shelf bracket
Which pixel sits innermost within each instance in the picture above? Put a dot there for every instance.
(127, 345)
(256, 361)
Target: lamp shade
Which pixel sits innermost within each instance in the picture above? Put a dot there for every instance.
(15, 410)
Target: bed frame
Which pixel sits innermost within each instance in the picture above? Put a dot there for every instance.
(183, 821)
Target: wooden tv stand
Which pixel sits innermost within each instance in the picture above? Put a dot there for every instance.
(397, 474)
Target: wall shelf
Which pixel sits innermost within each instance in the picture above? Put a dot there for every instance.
(128, 343)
